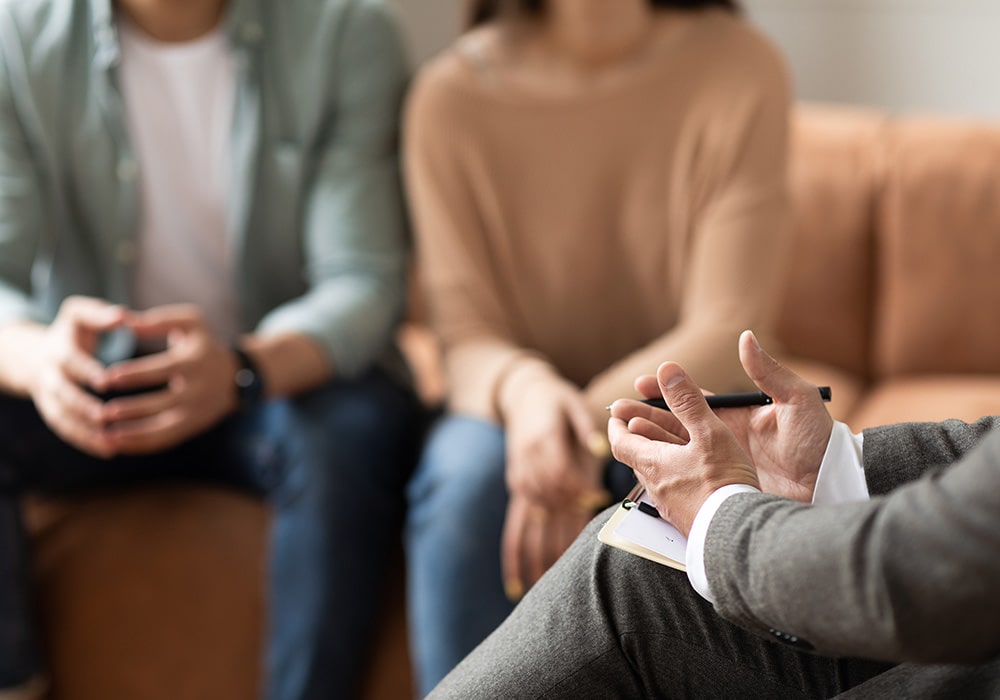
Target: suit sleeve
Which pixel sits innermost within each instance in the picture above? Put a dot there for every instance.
(896, 454)
(908, 576)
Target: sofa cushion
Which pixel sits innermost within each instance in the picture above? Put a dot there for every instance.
(928, 398)
(938, 305)
(151, 594)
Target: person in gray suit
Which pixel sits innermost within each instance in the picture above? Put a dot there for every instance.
(892, 593)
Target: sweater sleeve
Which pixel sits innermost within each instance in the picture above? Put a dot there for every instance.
(456, 274)
(736, 183)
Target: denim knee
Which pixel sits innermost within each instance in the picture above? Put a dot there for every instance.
(461, 468)
(346, 451)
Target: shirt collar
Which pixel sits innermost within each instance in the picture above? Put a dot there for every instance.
(245, 28)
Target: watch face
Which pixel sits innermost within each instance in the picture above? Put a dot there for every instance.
(245, 378)
(249, 383)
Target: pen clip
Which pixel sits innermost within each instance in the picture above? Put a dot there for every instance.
(635, 493)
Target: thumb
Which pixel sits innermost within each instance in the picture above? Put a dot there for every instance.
(770, 376)
(160, 321)
(93, 314)
(684, 398)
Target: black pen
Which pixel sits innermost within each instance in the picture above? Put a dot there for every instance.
(632, 501)
(746, 398)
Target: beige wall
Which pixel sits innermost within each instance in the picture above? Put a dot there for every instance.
(429, 24)
(902, 55)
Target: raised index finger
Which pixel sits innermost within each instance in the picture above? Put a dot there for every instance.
(685, 399)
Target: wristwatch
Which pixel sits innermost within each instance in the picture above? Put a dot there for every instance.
(248, 380)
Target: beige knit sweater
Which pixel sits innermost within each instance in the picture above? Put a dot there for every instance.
(597, 233)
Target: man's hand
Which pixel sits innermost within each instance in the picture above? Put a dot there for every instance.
(191, 383)
(64, 367)
(785, 441)
(680, 476)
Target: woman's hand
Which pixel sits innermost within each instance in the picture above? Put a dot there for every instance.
(553, 475)
(548, 431)
(533, 538)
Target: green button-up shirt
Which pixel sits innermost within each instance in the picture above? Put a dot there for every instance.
(315, 212)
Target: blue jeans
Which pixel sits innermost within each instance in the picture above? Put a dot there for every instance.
(457, 504)
(328, 461)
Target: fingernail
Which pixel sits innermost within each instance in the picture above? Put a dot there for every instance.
(538, 516)
(598, 445)
(593, 500)
(513, 589)
(676, 379)
(753, 338)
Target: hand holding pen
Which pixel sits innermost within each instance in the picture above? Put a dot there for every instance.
(785, 432)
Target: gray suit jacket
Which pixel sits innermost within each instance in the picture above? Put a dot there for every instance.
(911, 576)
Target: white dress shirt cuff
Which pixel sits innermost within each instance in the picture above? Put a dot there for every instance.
(841, 477)
(694, 555)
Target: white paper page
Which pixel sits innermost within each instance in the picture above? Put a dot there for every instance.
(653, 533)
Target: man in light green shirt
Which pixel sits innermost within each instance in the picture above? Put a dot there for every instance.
(202, 254)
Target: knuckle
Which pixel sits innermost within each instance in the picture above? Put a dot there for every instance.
(684, 400)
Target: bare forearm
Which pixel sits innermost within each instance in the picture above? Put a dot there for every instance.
(19, 352)
(706, 350)
(291, 363)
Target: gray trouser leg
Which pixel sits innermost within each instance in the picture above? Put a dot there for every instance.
(604, 623)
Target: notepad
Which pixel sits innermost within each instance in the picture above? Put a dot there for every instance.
(645, 535)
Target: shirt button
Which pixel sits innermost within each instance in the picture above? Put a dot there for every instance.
(127, 170)
(126, 251)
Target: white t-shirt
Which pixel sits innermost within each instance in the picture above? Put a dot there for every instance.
(179, 100)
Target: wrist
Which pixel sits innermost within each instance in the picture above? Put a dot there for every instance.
(249, 387)
(522, 377)
(22, 357)
(685, 506)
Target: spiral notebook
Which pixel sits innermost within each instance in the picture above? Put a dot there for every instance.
(640, 531)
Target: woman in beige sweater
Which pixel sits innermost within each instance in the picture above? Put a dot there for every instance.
(597, 186)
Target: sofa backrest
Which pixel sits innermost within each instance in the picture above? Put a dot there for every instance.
(938, 249)
(835, 171)
(896, 256)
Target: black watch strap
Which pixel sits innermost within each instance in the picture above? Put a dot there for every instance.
(248, 381)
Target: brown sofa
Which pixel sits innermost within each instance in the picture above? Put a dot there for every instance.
(894, 283)
(892, 299)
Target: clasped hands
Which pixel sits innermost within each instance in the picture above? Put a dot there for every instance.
(184, 389)
(554, 475)
(682, 456)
